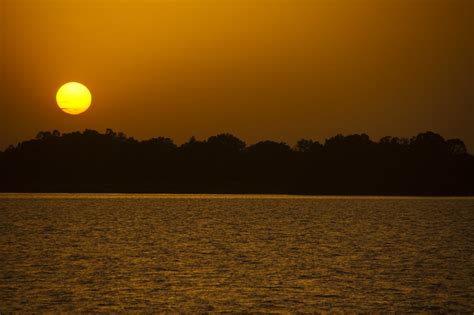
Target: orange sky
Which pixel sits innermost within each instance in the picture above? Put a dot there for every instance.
(261, 69)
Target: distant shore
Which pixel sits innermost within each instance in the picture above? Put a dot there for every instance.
(353, 165)
(33, 194)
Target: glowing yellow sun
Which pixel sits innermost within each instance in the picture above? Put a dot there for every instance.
(73, 98)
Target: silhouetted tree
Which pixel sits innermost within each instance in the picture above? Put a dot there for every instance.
(269, 148)
(109, 132)
(429, 143)
(90, 161)
(226, 142)
(456, 147)
(308, 146)
(160, 144)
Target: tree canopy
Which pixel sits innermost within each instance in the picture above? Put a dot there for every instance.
(91, 161)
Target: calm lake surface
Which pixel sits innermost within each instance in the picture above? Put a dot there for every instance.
(208, 253)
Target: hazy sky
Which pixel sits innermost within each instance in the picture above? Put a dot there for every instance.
(260, 69)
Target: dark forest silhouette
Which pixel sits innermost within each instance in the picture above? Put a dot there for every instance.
(426, 164)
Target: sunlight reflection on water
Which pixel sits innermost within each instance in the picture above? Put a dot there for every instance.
(251, 253)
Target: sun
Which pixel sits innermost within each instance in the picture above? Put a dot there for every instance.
(73, 98)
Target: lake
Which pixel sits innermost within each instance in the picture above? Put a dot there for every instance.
(229, 253)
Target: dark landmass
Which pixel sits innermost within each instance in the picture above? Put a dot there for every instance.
(89, 161)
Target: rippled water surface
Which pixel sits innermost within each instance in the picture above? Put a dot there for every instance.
(235, 253)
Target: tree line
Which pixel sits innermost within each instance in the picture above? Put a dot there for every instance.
(91, 161)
